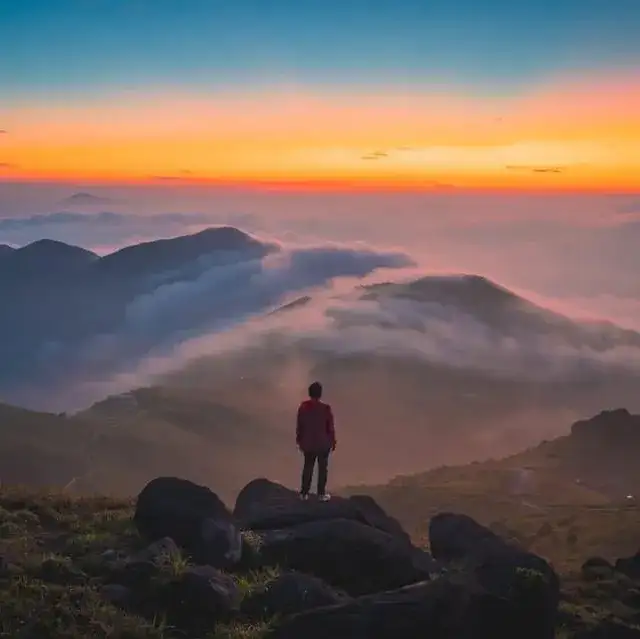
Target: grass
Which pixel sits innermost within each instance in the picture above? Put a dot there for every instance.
(56, 550)
(241, 631)
(558, 519)
(54, 555)
(255, 579)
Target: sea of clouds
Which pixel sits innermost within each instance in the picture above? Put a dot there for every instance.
(575, 257)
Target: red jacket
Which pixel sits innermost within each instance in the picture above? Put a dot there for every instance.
(315, 432)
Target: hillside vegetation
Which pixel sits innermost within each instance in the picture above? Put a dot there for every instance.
(57, 555)
(567, 499)
(177, 563)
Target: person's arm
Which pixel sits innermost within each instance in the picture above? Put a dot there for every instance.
(331, 427)
(299, 426)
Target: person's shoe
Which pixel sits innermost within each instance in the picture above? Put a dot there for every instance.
(304, 497)
(325, 497)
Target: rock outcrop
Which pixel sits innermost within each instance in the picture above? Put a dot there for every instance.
(289, 594)
(444, 608)
(266, 505)
(629, 566)
(193, 516)
(342, 569)
(510, 572)
(596, 568)
(349, 555)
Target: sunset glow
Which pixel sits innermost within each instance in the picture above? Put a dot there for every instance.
(563, 129)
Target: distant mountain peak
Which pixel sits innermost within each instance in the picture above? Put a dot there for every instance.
(454, 288)
(176, 252)
(46, 253)
(49, 244)
(612, 426)
(86, 199)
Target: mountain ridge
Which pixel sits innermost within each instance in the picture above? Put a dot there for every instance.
(583, 483)
(83, 198)
(435, 350)
(85, 296)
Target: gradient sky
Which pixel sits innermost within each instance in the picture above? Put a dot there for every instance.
(405, 94)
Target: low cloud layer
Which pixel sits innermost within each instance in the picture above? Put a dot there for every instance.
(338, 321)
(577, 255)
(438, 333)
(205, 297)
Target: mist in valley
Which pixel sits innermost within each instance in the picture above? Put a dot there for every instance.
(458, 369)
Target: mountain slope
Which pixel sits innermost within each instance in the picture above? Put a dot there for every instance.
(109, 317)
(414, 304)
(86, 299)
(123, 442)
(42, 259)
(167, 255)
(461, 371)
(88, 567)
(567, 498)
(231, 415)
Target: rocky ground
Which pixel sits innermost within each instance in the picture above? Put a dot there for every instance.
(176, 562)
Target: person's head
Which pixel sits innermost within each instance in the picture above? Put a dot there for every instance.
(315, 390)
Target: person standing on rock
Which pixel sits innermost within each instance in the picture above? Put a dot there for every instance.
(316, 438)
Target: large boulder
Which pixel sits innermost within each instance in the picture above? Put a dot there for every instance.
(445, 608)
(629, 566)
(597, 568)
(348, 555)
(192, 601)
(266, 505)
(609, 629)
(291, 593)
(205, 591)
(502, 568)
(193, 516)
(138, 569)
(117, 595)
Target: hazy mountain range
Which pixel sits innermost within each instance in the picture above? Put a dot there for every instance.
(60, 299)
(212, 338)
(86, 199)
(73, 315)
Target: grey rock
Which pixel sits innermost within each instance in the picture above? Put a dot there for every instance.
(193, 516)
(116, 594)
(445, 608)
(597, 568)
(266, 505)
(502, 568)
(109, 555)
(138, 569)
(205, 591)
(291, 593)
(222, 543)
(347, 555)
(629, 566)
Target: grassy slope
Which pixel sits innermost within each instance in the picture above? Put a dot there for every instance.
(115, 449)
(544, 509)
(54, 543)
(52, 549)
(52, 564)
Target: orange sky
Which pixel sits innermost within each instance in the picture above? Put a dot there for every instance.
(583, 134)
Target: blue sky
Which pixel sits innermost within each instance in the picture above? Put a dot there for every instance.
(90, 46)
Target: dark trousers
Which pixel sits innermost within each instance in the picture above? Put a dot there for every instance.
(307, 471)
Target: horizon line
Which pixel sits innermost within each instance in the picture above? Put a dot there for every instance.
(322, 185)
